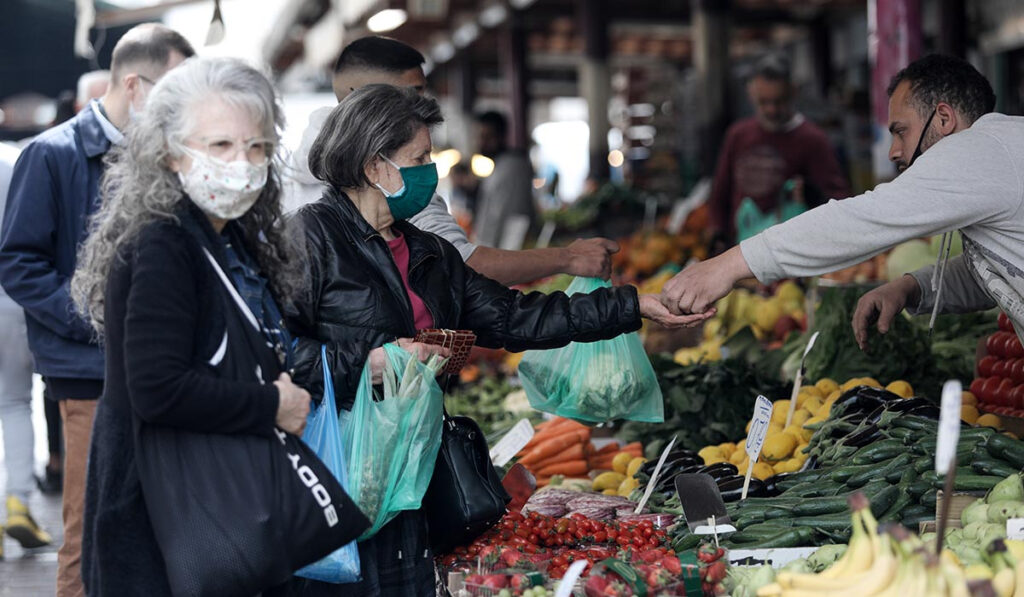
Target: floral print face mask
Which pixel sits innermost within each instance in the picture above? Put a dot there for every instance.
(224, 190)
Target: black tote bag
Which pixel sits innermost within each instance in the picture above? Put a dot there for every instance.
(238, 514)
(465, 496)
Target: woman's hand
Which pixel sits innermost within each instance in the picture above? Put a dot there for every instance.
(422, 352)
(293, 405)
(652, 308)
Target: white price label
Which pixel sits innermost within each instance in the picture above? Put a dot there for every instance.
(949, 426)
(1015, 528)
(510, 445)
(759, 427)
(568, 583)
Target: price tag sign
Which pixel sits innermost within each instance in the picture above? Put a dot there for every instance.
(949, 426)
(759, 427)
(1015, 528)
(510, 445)
(569, 580)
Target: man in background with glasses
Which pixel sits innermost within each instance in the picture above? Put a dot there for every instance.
(54, 190)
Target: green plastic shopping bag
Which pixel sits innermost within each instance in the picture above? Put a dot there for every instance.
(391, 437)
(596, 381)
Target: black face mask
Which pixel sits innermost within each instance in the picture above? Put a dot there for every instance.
(920, 140)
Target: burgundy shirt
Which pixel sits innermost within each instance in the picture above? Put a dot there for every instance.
(421, 315)
(756, 163)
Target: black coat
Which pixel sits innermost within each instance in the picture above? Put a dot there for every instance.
(358, 302)
(165, 320)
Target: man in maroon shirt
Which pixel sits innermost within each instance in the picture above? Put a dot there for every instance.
(762, 153)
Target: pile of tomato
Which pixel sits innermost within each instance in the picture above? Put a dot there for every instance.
(1000, 383)
(555, 543)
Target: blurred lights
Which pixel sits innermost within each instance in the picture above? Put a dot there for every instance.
(386, 20)
(443, 52)
(493, 15)
(445, 160)
(466, 34)
(616, 159)
(481, 165)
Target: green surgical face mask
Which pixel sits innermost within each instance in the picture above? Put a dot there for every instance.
(418, 186)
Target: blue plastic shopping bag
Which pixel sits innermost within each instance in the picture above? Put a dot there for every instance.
(324, 437)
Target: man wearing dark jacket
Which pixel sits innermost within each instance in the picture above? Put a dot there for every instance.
(54, 190)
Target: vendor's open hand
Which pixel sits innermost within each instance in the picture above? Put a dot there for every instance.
(652, 308)
(422, 352)
(591, 258)
(292, 406)
(881, 305)
(698, 287)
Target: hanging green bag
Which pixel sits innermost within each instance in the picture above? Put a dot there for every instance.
(391, 439)
(596, 381)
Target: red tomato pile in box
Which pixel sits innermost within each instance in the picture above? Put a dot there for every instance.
(1000, 385)
(536, 541)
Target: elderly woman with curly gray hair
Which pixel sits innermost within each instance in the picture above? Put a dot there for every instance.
(195, 182)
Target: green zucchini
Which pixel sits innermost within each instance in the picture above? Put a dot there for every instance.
(919, 487)
(976, 482)
(842, 474)
(832, 522)
(884, 499)
(904, 435)
(879, 451)
(929, 498)
(1006, 448)
(898, 463)
(915, 423)
(913, 514)
(686, 543)
(991, 466)
(895, 511)
(822, 506)
(795, 537)
(923, 464)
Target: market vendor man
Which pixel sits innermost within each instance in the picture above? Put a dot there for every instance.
(388, 61)
(961, 168)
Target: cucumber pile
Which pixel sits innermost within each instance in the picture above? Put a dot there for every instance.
(881, 446)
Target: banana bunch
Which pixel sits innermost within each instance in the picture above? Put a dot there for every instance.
(893, 563)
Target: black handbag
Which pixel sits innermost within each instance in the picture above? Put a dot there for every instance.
(465, 496)
(238, 514)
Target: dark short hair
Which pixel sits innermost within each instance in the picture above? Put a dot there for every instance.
(773, 67)
(150, 43)
(939, 78)
(374, 119)
(495, 120)
(379, 53)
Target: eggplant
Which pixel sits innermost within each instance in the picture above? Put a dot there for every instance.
(905, 405)
(666, 481)
(926, 410)
(863, 437)
(731, 488)
(683, 460)
(720, 470)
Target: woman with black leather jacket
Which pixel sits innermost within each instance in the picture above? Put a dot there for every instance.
(375, 279)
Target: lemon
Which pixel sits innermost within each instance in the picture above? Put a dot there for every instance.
(609, 480)
(989, 420)
(789, 292)
(813, 406)
(968, 398)
(712, 328)
(813, 391)
(901, 389)
(737, 457)
(611, 492)
(627, 486)
(800, 417)
(763, 471)
(778, 446)
(1011, 435)
(711, 452)
(969, 414)
(826, 386)
(788, 466)
(800, 455)
(636, 463)
(727, 448)
(767, 314)
(871, 382)
(747, 428)
(621, 461)
(780, 411)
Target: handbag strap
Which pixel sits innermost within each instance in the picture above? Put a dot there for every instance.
(242, 306)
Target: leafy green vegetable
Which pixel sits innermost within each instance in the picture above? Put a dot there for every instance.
(705, 403)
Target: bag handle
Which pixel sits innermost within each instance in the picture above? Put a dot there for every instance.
(244, 308)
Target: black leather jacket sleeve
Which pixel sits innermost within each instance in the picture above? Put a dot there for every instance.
(509, 319)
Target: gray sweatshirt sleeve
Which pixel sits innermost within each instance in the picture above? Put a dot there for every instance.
(961, 292)
(965, 179)
(436, 218)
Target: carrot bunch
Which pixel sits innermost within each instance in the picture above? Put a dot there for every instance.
(560, 447)
(602, 459)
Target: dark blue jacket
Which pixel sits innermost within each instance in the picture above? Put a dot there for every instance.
(54, 190)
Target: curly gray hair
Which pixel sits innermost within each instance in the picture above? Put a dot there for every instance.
(138, 188)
